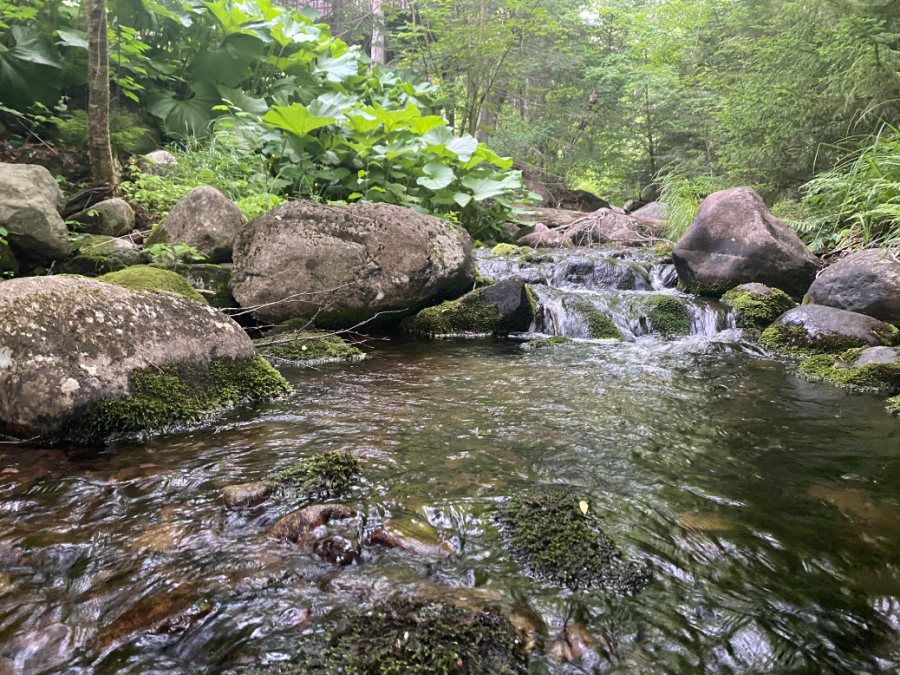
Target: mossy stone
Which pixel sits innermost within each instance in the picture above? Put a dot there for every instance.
(894, 405)
(663, 249)
(668, 315)
(880, 377)
(600, 326)
(206, 277)
(414, 637)
(175, 395)
(557, 536)
(546, 343)
(756, 306)
(306, 348)
(511, 249)
(321, 477)
(147, 278)
(813, 329)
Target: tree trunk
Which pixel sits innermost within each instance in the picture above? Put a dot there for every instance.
(379, 52)
(336, 20)
(103, 168)
(487, 117)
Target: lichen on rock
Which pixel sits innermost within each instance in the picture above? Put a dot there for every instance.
(511, 249)
(148, 278)
(557, 536)
(756, 306)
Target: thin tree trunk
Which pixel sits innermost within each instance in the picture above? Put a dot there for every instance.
(488, 116)
(103, 168)
(336, 20)
(379, 52)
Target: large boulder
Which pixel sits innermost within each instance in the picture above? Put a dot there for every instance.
(653, 210)
(867, 282)
(108, 362)
(610, 227)
(345, 264)
(814, 329)
(111, 217)
(205, 219)
(30, 203)
(734, 240)
(508, 306)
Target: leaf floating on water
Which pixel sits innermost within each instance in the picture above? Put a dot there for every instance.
(583, 505)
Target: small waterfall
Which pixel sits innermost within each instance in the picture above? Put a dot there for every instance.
(626, 285)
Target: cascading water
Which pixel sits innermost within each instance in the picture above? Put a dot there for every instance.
(622, 283)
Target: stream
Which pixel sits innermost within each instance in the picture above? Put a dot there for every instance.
(766, 505)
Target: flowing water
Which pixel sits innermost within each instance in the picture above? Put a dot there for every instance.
(766, 505)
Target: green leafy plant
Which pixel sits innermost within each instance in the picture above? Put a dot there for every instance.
(125, 133)
(172, 253)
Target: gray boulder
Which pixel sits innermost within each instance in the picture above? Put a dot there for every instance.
(653, 210)
(734, 240)
(30, 203)
(867, 282)
(108, 362)
(814, 329)
(872, 356)
(345, 264)
(158, 163)
(543, 237)
(248, 494)
(205, 219)
(97, 255)
(111, 217)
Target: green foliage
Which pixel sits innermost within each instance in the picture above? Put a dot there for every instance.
(172, 253)
(124, 131)
(682, 197)
(146, 278)
(557, 536)
(321, 477)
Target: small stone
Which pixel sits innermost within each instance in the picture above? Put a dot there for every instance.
(248, 494)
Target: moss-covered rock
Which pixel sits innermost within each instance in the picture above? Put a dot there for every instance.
(557, 536)
(511, 249)
(814, 329)
(147, 278)
(321, 477)
(668, 315)
(307, 348)
(110, 362)
(415, 638)
(599, 326)
(663, 249)
(546, 343)
(176, 395)
(507, 306)
(95, 255)
(756, 306)
(894, 405)
(855, 369)
(215, 279)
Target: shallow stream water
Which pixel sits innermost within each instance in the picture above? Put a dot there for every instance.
(767, 506)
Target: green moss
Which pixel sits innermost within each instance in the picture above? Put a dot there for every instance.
(321, 477)
(757, 311)
(710, 289)
(307, 347)
(147, 278)
(505, 249)
(410, 637)
(600, 326)
(789, 339)
(176, 394)
(546, 343)
(482, 282)
(894, 405)
(663, 249)
(880, 377)
(470, 315)
(668, 315)
(206, 277)
(551, 534)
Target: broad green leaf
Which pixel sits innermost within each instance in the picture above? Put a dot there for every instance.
(463, 147)
(71, 37)
(362, 121)
(156, 8)
(485, 154)
(437, 176)
(485, 188)
(462, 199)
(394, 119)
(321, 108)
(28, 70)
(296, 119)
(239, 99)
(422, 125)
(337, 69)
(182, 117)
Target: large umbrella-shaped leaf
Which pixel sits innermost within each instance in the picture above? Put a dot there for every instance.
(242, 101)
(422, 125)
(486, 188)
(296, 119)
(437, 176)
(463, 147)
(394, 119)
(186, 117)
(338, 69)
(29, 71)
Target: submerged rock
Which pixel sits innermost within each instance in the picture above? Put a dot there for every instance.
(507, 306)
(599, 326)
(668, 315)
(557, 536)
(545, 343)
(411, 535)
(867, 282)
(735, 240)
(147, 278)
(872, 369)
(756, 306)
(349, 263)
(111, 218)
(307, 348)
(297, 527)
(814, 329)
(108, 362)
(30, 204)
(416, 638)
(97, 255)
(248, 494)
(321, 477)
(205, 219)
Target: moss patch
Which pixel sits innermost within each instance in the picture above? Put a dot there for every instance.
(880, 377)
(147, 278)
(321, 477)
(546, 343)
(789, 339)
(663, 249)
(757, 310)
(600, 326)
(668, 315)
(412, 637)
(176, 394)
(206, 277)
(306, 348)
(471, 315)
(894, 405)
(551, 534)
(510, 249)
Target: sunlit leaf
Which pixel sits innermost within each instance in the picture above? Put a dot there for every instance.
(296, 119)
(437, 176)
(337, 69)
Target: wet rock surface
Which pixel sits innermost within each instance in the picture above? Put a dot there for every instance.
(867, 282)
(111, 218)
(30, 204)
(814, 329)
(248, 494)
